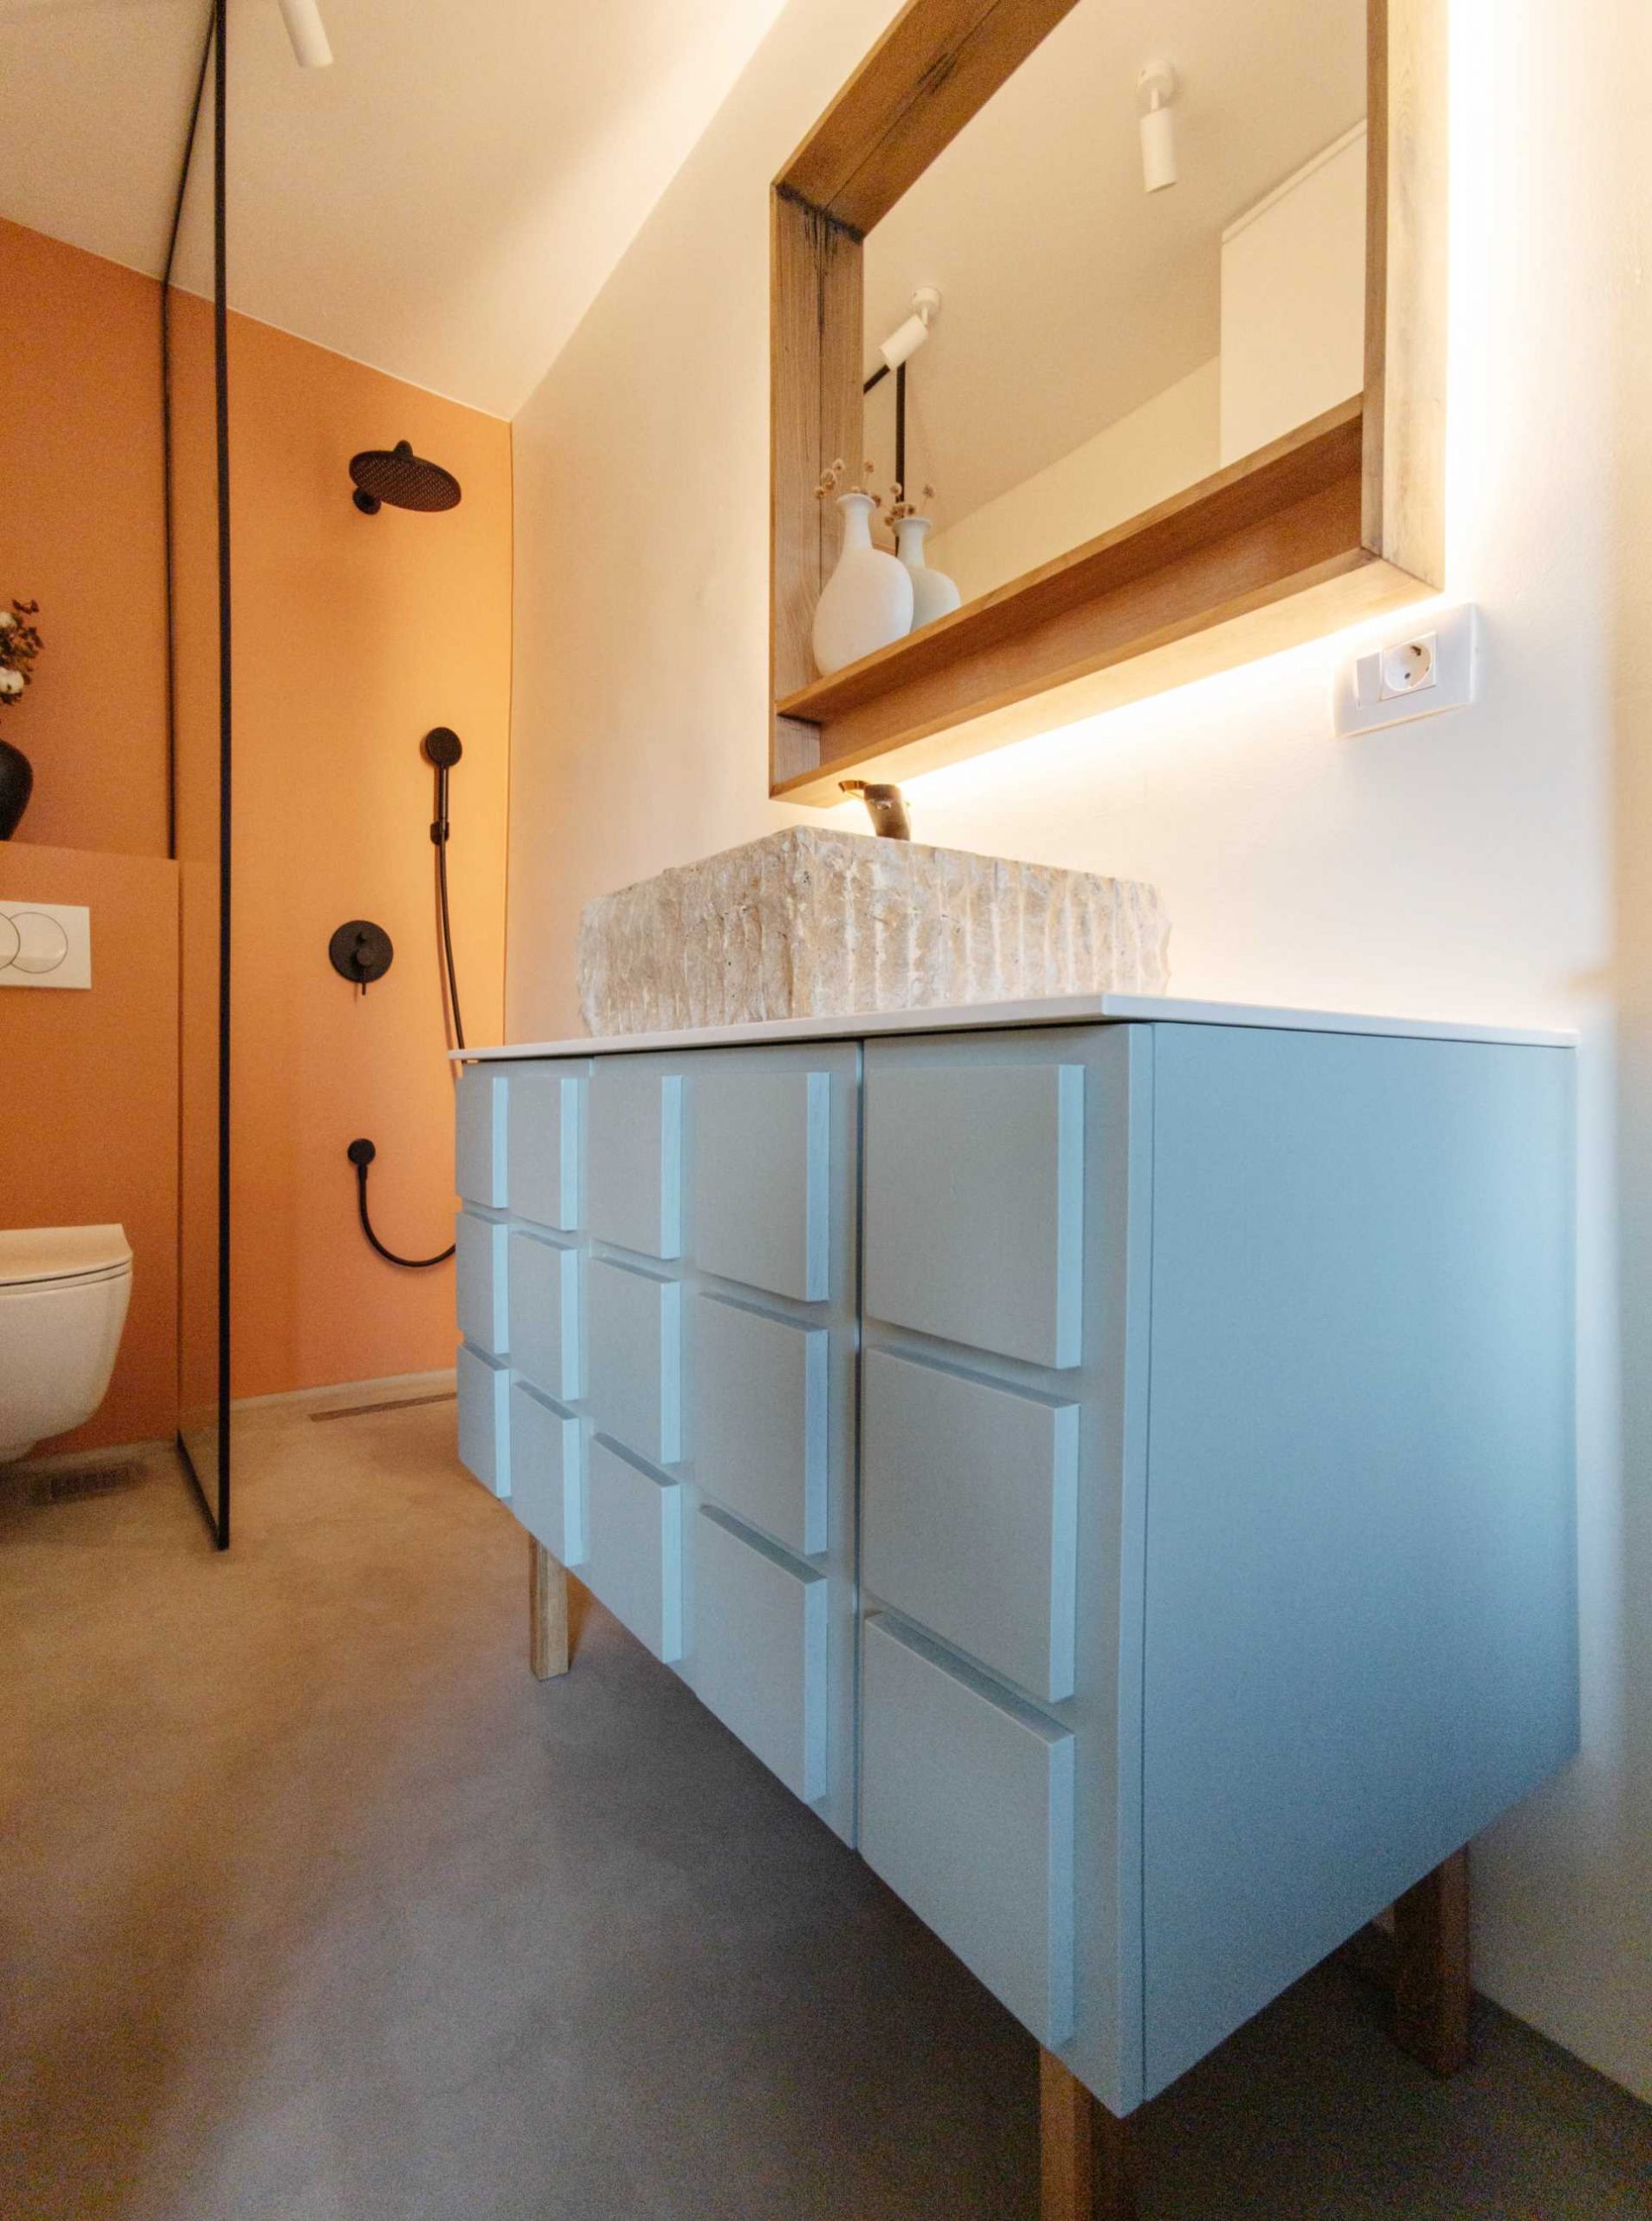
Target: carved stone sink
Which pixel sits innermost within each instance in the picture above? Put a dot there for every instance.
(815, 923)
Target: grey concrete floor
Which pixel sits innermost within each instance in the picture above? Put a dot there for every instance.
(314, 1907)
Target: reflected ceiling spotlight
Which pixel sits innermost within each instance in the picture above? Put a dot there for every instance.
(1155, 93)
(406, 481)
(906, 339)
(308, 33)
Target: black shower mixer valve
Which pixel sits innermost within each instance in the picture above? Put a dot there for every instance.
(361, 951)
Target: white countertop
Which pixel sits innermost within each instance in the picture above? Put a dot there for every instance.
(1055, 1010)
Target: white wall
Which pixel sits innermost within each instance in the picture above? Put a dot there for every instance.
(1461, 866)
(1167, 444)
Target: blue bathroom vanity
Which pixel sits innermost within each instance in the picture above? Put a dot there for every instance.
(1112, 1459)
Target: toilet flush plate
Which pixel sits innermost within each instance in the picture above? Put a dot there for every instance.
(45, 945)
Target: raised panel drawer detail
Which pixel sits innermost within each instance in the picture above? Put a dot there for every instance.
(542, 1146)
(481, 1278)
(634, 1550)
(974, 1204)
(479, 1122)
(543, 1279)
(634, 1159)
(637, 1359)
(760, 1446)
(966, 1812)
(485, 1418)
(760, 1651)
(762, 1158)
(969, 1516)
(546, 1474)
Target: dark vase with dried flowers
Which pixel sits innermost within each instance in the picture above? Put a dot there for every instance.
(16, 784)
(19, 646)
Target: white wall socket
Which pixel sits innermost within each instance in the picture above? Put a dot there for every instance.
(45, 945)
(1416, 675)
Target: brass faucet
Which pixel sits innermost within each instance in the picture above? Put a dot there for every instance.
(885, 805)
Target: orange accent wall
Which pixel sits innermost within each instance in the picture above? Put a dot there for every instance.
(89, 1110)
(353, 636)
(82, 533)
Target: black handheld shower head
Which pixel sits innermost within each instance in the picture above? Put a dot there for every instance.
(406, 481)
(441, 749)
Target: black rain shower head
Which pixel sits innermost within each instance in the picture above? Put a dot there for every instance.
(401, 478)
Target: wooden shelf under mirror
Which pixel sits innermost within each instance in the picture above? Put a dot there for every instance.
(1340, 518)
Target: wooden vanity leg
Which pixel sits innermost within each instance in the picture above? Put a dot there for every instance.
(1086, 2167)
(1431, 1975)
(547, 1647)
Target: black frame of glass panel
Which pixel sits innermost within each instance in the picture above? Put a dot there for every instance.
(214, 1487)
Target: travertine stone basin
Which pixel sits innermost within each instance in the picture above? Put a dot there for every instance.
(813, 923)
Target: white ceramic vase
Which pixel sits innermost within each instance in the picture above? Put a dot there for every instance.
(934, 595)
(867, 602)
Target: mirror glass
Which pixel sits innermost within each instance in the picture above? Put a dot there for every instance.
(1098, 346)
(199, 772)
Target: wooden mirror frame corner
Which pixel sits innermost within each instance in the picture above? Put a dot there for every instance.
(1341, 519)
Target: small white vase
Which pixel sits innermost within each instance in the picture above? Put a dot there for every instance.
(867, 602)
(934, 595)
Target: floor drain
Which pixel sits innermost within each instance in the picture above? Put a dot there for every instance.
(395, 1404)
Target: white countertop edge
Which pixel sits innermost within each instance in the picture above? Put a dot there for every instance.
(1050, 1010)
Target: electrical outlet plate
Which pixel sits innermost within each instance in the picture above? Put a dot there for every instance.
(45, 945)
(1416, 674)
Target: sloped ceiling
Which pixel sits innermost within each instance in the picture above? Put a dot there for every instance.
(444, 202)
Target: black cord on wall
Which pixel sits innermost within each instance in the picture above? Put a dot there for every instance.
(447, 942)
(361, 1155)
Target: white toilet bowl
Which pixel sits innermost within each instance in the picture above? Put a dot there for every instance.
(63, 1294)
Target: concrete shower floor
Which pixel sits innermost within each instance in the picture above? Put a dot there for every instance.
(316, 1908)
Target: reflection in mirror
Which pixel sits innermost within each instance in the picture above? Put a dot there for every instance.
(197, 591)
(1105, 337)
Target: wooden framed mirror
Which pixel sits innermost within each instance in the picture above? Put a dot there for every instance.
(1327, 519)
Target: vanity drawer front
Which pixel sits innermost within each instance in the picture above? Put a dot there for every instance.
(481, 1274)
(633, 1545)
(484, 1418)
(543, 1280)
(634, 1157)
(546, 1474)
(974, 1203)
(969, 1516)
(636, 1359)
(542, 1124)
(479, 1120)
(760, 1651)
(762, 1162)
(760, 1419)
(966, 1813)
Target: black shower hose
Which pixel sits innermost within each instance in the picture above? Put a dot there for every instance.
(362, 1153)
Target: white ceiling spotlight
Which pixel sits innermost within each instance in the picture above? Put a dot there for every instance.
(906, 339)
(1156, 90)
(308, 33)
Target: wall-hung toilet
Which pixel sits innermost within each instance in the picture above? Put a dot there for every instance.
(63, 1294)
